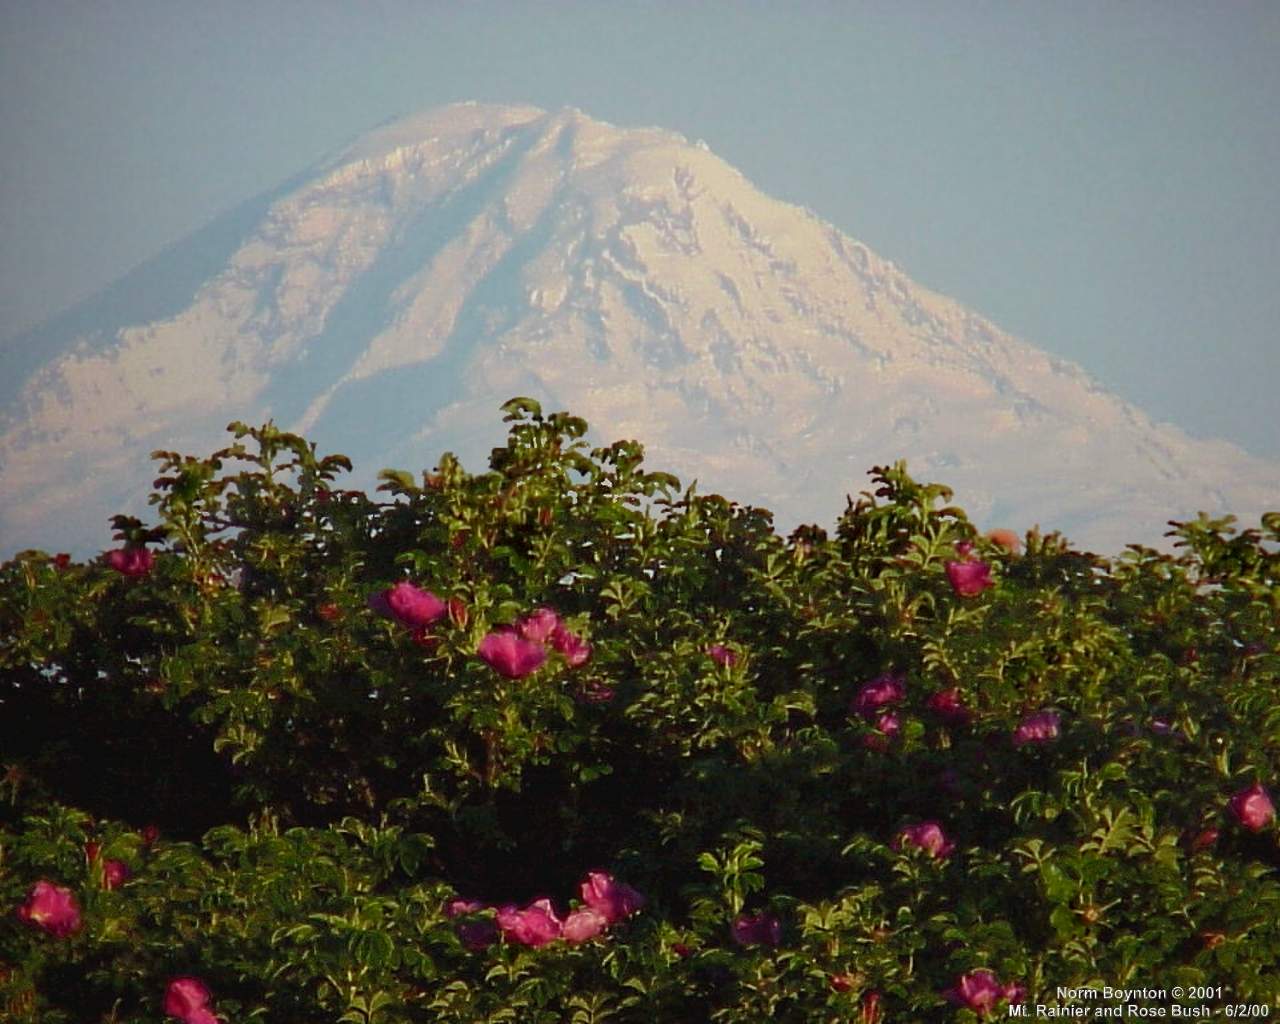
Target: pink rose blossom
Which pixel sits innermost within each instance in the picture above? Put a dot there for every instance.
(1015, 992)
(1253, 808)
(927, 836)
(889, 724)
(53, 908)
(1041, 727)
(457, 906)
(540, 626)
(970, 578)
(535, 925)
(978, 991)
(948, 706)
(722, 655)
(131, 561)
(185, 997)
(756, 930)
(410, 606)
(114, 874)
(879, 693)
(576, 651)
(511, 655)
(583, 924)
(615, 900)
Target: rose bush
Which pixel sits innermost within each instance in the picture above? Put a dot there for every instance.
(561, 741)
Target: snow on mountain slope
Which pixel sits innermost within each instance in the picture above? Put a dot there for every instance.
(386, 303)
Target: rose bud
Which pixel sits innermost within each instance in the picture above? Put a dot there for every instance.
(948, 706)
(131, 561)
(1041, 727)
(978, 991)
(114, 874)
(756, 930)
(877, 694)
(927, 836)
(969, 579)
(1252, 807)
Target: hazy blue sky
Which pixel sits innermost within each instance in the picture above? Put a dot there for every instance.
(1098, 178)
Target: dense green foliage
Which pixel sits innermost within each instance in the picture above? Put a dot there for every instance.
(282, 786)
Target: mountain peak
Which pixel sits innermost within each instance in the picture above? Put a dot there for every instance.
(387, 303)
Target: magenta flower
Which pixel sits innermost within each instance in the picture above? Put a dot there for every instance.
(583, 924)
(53, 908)
(187, 999)
(535, 925)
(615, 900)
(1253, 808)
(948, 706)
(757, 930)
(409, 605)
(970, 578)
(1041, 727)
(131, 561)
(722, 655)
(114, 874)
(511, 655)
(539, 626)
(576, 651)
(927, 836)
(978, 991)
(457, 906)
(879, 693)
(889, 724)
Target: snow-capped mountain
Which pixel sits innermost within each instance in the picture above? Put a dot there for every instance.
(387, 302)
